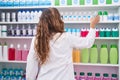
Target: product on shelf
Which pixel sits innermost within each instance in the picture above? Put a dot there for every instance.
(75, 74)
(89, 76)
(115, 32)
(18, 53)
(113, 56)
(93, 54)
(101, 2)
(11, 52)
(25, 52)
(1, 52)
(104, 54)
(88, 2)
(3, 30)
(114, 77)
(82, 76)
(106, 76)
(97, 76)
(5, 52)
(85, 55)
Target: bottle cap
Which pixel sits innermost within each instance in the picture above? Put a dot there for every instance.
(94, 46)
(25, 46)
(82, 73)
(89, 74)
(104, 46)
(97, 74)
(113, 46)
(100, 13)
(11, 45)
(114, 75)
(75, 73)
(105, 75)
(18, 46)
(5, 44)
(105, 13)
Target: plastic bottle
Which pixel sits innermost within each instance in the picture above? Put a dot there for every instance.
(82, 2)
(57, 2)
(22, 2)
(28, 16)
(85, 55)
(78, 32)
(19, 16)
(18, 31)
(69, 2)
(97, 32)
(77, 55)
(93, 54)
(105, 16)
(30, 32)
(106, 76)
(10, 2)
(82, 76)
(115, 32)
(108, 32)
(5, 52)
(35, 2)
(97, 76)
(103, 54)
(29, 2)
(13, 17)
(63, 2)
(11, 52)
(110, 16)
(108, 1)
(89, 76)
(75, 74)
(102, 2)
(13, 31)
(4, 31)
(65, 16)
(16, 3)
(8, 17)
(101, 15)
(83, 32)
(3, 16)
(34, 30)
(88, 2)
(84, 17)
(113, 54)
(25, 53)
(35, 16)
(114, 77)
(115, 2)
(102, 32)
(95, 2)
(116, 17)
(1, 54)
(79, 16)
(23, 16)
(24, 31)
(75, 2)
(18, 53)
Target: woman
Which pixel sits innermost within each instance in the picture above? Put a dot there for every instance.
(50, 55)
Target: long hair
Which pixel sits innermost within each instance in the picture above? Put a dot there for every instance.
(49, 24)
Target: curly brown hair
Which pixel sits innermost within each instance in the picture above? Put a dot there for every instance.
(49, 24)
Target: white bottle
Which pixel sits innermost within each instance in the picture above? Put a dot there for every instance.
(70, 18)
(1, 54)
(115, 2)
(79, 16)
(75, 18)
(13, 17)
(66, 17)
(78, 32)
(89, 16)
(19, 15)
(105, 16)
(35, 16)
(28, 18)
(30, 32)
(32, 16)
(40, 12)
(24, 31)
(3, 16)
(69, 31)
(74, 32)
(23, 17)
(34, 30)
(4, 31)
(110, 16)
(88, 2)
(102, 2)
(84, 17)
(63, 2)
(5, 52)
(8, 17)
(17, 31)
(75, 2)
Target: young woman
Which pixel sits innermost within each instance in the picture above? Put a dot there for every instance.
(50, 55)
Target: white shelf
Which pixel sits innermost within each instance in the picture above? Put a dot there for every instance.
(66, 22)
(13, 61)
(69, 6)
(90, 64)
(109, 38)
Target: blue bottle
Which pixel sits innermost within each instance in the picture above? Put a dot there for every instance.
(16, 3)
(35, 2)
(29, 2)
(22, 2)
(10, 3)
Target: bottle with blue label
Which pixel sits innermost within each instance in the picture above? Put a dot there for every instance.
(29, 2)
(102, 2)
(10, 2)
(88, 2)
(4, 3)
(48, 2)
(116, 17)
(115, 1)
(16, 3)
(22, 2)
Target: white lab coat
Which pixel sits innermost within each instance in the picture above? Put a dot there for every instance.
(59, 66)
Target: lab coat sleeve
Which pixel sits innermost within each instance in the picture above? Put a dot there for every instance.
(82, 42)
(32, 64)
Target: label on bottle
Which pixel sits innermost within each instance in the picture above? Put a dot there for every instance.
(63, 2)
(75, 2)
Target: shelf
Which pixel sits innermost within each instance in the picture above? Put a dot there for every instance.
(80, 6)
(109, 38)
(13, 61)
(89, 64)
(66, 22)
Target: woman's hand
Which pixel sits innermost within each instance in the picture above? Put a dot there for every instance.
(94, 21)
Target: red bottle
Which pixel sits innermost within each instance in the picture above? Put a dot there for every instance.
(11, 53)
(18, 53)
(25, 53)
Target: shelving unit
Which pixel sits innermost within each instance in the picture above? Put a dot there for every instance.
(88, 66)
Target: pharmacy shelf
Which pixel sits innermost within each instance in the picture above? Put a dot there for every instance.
(101, 38)
(66, 22)
(2, 61)
(71, 6)
(98, 64)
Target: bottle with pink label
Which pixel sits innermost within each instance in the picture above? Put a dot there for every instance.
(18, 53)
(106, 76)
(89, 76)
(82, 76)
(97, 76)
(11, 52)
(114, 77)
(25, 52)
(75, 74)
